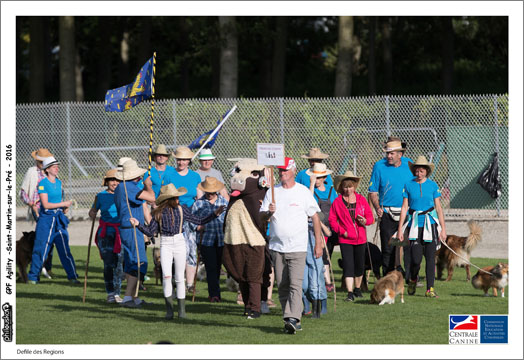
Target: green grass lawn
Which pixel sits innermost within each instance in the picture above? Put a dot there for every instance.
(52, 312)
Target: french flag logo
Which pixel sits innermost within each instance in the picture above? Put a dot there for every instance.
(463, 322)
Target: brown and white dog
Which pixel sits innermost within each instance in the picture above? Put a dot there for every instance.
(387, 288)
(499, 279)
(24, 253)
(462, 245)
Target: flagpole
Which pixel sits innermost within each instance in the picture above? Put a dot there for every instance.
(151, 123)
(215, 131)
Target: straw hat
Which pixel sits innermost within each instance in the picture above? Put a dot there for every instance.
(206, 154)
(129, 171)
(161, 150)
(251, 164)
(169, 191)
(319, 170)
(394, 143)
(422, 161)
(41, 154)
(315, 153)
(347, 175)
(110, 174)
(49, 161)
(210, 185)
(183, 152)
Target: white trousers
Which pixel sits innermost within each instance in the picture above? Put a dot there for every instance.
(173, 248)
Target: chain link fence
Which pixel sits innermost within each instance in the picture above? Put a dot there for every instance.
(457, 133)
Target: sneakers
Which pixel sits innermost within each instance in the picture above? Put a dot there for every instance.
(32, 282)
(291, 326)
(131, 304)
(357, 293)
(74, 281)
(118, 299)
(431, 293)
(253, 315)
(264, 309)
(111, 299)
(146, 278)
(190, 289)
(350, 297)
(329, 287)
(412, 287)
(45, 273)
(214, 299)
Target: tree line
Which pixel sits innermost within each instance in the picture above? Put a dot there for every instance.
(78, 58)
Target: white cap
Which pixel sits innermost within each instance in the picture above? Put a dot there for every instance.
(206, 154)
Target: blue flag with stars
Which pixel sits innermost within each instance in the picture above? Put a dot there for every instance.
(199, 141)
(125, 97)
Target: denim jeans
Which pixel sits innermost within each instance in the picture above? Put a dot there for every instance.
(112, 263)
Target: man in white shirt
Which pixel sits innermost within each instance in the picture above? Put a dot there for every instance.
(289, 236)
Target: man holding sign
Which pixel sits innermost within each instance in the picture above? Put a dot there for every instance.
(289, 211)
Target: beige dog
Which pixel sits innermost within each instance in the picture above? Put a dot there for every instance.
(387, 288)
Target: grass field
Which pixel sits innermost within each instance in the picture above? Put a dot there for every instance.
(52, 312)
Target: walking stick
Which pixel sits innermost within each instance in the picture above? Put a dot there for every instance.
(198, 260)
(89, 252)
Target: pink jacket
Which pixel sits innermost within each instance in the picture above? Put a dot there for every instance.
(341, 222)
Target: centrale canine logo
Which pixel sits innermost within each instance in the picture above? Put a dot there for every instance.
(463, 322)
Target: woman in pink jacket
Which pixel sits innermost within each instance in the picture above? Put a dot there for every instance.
(349, 215)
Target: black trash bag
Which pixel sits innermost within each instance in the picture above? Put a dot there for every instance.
(489, 180)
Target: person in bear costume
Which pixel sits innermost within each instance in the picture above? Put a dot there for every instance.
(246, 256)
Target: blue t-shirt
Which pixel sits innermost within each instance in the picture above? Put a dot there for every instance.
(133, 191)
(303, 178)
(323, 195)
(105, 202)
(388, 181)
(160, 178)
(190, 181)
(421, 197)
(53, 191)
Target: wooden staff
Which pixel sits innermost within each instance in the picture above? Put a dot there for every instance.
(272, 184)
(89, 252)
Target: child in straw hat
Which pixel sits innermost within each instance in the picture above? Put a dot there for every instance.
(211, 237)
(108, 236)
(167, 219)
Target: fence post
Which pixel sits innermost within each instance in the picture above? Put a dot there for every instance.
(68, 126)
(174, 123)
(495, 106)
(281, 120)
(388, 130)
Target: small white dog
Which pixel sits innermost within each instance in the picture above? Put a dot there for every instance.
(201, 272)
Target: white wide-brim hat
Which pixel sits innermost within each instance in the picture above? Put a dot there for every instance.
(129, 171)
(319, 170)
(49, 161)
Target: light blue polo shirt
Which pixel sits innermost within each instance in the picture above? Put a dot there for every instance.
(388, 181)
(53, 191)
(421, 197)
(190, 181)
(160, 178)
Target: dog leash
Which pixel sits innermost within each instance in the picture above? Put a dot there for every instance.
(467, 261)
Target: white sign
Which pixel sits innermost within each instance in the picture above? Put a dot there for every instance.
(270, 154)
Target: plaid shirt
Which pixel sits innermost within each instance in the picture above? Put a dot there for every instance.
(35, 199)
(214, 230)
(171, 226)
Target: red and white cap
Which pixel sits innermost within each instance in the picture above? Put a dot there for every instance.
(289, 164)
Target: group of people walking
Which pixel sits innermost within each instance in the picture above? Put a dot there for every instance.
(308, 214)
